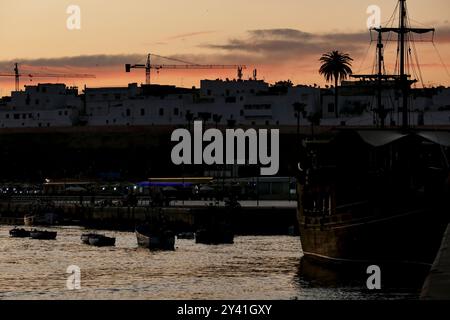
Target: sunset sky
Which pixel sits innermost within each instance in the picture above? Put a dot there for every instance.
(283, 39)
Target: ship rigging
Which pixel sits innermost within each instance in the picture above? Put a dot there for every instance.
(405, 45)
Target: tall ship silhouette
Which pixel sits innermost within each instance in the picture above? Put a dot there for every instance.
(376, 195)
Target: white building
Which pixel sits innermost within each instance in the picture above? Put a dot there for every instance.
(236, 102)
(44, 105)
(216, 102)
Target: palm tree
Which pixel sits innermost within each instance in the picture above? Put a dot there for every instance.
(336, 66)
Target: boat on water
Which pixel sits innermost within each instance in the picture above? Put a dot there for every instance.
(43, 234)
(19, 233)
(100, 240)
(376, 195)
(155, 238)
(85, 237)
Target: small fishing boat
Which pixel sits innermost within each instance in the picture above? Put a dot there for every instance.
(19, 233)
(157, 239)
(100, 240)
(43, 235)
(85, 237)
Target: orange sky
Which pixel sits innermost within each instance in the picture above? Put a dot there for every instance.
(282, 39)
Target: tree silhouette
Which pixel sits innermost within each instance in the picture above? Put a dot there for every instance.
(336, 66)
(217, 118)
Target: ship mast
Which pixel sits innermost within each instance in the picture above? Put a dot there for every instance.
(381, 110)
(403, 79)
(402, 31)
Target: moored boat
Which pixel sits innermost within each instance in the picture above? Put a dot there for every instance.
(155, 239)
(374, 197)
(85, 237)
(377, 196)
(99, 240)
(19, 233)
(43, 235)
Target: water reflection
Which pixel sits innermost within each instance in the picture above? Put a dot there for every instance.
(349, 280)
(255, 267)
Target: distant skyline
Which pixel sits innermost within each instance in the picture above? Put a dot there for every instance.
(283, 40)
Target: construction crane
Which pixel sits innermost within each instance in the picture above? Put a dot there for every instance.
(185, 66)
(17, 74)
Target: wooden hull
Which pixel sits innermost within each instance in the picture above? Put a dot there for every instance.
(373, 197)
(411, 237)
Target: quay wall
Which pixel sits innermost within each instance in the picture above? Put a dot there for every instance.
(245, 220)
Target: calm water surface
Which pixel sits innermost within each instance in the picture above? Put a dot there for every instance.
(255, 267)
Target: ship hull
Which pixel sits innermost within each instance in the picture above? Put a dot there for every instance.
(410, 237)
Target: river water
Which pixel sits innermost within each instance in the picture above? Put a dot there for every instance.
(255, 267)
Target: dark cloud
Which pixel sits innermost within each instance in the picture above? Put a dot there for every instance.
(83, 61)
(288, 44)
(285, 45)
(281, 33)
